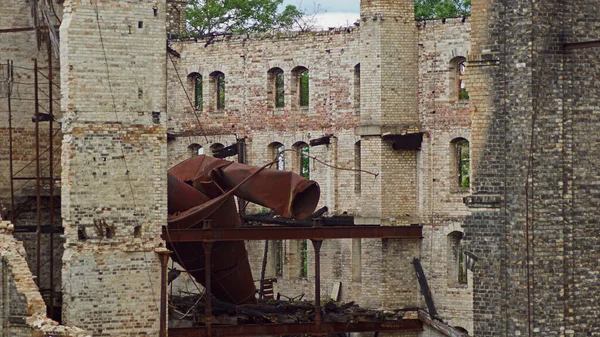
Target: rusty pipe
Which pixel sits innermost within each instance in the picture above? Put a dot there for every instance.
(287, 193)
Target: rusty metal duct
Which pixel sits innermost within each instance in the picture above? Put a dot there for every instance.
(202, 188)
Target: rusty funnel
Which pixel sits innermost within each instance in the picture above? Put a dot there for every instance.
(202, 188)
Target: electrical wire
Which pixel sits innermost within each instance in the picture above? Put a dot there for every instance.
(188, 97)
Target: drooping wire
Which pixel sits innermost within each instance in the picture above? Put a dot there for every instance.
(188, 97)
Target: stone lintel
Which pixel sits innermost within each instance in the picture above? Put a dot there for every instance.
(483, 200)
(383, 130)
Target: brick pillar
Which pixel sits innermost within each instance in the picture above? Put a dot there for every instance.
(389, 104)
(176, 12)
(113, 159)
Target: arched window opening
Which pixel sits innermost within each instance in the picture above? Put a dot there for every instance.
(276, 153)
(276, 87)
(217, 80)
(458, 67)
(195, 82)
(357, 87)
(462, 163)
(457, 267)
(301, 83)
(463, 93)
(215, 148)
(195, 150)
(302, 159)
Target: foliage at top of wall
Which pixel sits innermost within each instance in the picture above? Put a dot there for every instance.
(438, 9)
(239, 16)
(254, 16)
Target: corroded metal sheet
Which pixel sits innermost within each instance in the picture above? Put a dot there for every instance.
(203, 188)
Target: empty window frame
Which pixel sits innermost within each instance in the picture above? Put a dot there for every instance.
(217, 80)
(276, 153)
(302, 85)
(303, 258)
(457, 79)
(302, 159)
(357, 168)
(356, 260)
(462, 89)
(276, 257)
(357, 87)
(462, 163)
(276, 87)
(457, 267)
(215, 148)
(195, 150)
(195, 82)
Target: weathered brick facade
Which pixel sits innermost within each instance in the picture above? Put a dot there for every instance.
(22, 307)
(534, 204)
(405, 82)
(114, 164)
(531, 122)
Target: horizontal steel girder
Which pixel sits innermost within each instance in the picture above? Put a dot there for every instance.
(298, 328)
(292, 233)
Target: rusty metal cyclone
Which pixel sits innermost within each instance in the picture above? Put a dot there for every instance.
(202, 188)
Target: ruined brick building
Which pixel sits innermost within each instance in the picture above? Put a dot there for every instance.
(479, 129)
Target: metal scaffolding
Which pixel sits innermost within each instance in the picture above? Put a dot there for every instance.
(208, 235)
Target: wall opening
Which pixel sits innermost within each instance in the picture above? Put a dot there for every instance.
(301, 159)
(304, 258)
(276, 88)
(276, 153)
(195, 86)
(357, 168)
(217, 81)
(215, 148)
(461, 163)
(195, 150)
(456, 264)
(356, 265)
(194, 81)
(458, 88)
(357, 88)
(276, 258)
(301, 85)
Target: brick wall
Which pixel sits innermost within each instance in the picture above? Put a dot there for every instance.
(22, 307)
(114, 164)
(22, 48)
(412, 186)
(533, 219)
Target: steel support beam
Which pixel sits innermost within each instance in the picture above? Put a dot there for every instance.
(298, 328)
(293, 233)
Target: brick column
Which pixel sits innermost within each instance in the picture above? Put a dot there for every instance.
(113, 159)
(389, 104)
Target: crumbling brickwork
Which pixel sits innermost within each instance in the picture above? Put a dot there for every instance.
(20, 49)
(113, 158)
(23, 312)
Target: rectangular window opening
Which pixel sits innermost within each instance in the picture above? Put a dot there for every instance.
(304, 89)
(279, 90)
(356, 260)
(304, 258)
